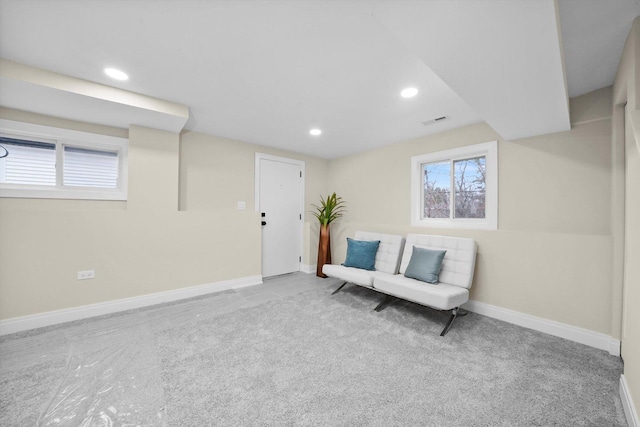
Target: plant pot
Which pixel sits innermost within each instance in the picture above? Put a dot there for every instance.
(324, 249)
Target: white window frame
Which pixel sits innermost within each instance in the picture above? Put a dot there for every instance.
(61, 138)
(490, 222)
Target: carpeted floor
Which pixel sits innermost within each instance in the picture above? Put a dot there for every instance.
(289, 353)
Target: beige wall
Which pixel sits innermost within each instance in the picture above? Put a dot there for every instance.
(133, 252)
(153, 170)
(141, 246)
(551, 255)
(179, 227)
(216, 173)
(626, 136)
(39, 119)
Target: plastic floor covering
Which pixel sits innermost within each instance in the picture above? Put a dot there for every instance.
(104, 371)
(270, 355)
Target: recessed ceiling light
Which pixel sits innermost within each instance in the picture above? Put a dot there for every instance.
(116, 74)
(315, 132)
(409, 92)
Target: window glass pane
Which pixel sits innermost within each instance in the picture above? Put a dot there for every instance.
(90, 168)
(470, 187)
(437, 189)
(28, 162)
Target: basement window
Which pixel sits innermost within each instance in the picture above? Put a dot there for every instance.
(456, 188)
(54, 163)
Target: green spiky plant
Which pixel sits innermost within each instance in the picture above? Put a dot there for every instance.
(330, 209)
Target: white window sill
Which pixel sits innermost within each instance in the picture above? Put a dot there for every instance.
(463, 224)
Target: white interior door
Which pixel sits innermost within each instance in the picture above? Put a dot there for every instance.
(280, 204)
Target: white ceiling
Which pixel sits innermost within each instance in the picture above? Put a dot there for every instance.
(266, 72)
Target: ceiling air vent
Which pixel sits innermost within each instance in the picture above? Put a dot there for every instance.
(436, 120)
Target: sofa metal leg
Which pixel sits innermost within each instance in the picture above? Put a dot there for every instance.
(385, 302)
(454, 314)
(341, 286)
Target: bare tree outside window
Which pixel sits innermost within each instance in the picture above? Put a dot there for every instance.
(437, 190)
(470, 186)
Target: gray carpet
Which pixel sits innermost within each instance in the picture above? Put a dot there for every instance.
(295, 355)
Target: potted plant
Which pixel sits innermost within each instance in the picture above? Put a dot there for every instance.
(329, 210)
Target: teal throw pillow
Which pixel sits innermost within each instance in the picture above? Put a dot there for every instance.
(361, 254)
(425, 264)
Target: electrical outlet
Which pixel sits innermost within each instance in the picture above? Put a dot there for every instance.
(87, 274)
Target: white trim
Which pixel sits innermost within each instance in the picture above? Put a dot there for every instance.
(562, 330)
(487, 149)
(18, 324)
(627, 403)
(308, 268)
(614, 347)
(299, 163)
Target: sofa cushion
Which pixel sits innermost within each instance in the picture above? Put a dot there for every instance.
(425, 264)
(361, 254)
(389, 251)
(441, 296)
(350, 274)
(458, 263)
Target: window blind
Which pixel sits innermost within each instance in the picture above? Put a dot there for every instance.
(28, 162)
(34, 163)
(90, 168)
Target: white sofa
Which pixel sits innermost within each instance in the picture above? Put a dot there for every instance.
(455, 280)
(387, 261)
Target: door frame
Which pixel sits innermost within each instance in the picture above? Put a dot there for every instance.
(299, 163)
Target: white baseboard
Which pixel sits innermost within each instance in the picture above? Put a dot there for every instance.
(19, 324)
(627, 403)
(562, 330)
(308, 268)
